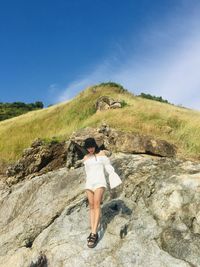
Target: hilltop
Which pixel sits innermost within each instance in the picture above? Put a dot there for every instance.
(175, 124)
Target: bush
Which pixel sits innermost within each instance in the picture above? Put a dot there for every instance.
(152, 97)
(123, 103)
(9, 110)
(112, 84)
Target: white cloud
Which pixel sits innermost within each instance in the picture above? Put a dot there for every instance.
(174, 75)
(68, 92)
(99, 74)
(165, 62)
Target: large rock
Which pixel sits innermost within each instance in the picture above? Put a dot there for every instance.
(138, 143)
(119, 141)
(151, 219)
(37, 159)
(41, 158)
(107, 102)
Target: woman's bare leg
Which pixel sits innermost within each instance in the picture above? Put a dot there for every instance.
(90, 196)
(98, 194)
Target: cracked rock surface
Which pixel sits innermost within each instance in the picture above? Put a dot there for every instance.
(151, 219)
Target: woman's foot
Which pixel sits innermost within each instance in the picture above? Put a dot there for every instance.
(98, 228)
(89, 236)
(93, 238)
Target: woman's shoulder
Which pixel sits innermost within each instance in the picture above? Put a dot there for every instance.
(104, 153)
(85, 157)
(101, 153)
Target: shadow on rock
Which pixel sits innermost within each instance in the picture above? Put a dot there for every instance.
(109, 211)
(41, 261)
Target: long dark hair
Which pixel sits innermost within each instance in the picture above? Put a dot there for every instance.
(90, 142)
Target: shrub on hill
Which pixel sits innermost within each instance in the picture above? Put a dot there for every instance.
(9, 110)
(112, 84)
(157, 98)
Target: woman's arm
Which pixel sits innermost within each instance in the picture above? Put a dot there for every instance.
(114, 178)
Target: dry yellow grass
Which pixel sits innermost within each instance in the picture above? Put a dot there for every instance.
(139, 115)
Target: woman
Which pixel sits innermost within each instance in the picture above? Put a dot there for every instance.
(95, 162)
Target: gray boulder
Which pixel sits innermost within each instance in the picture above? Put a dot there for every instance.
(151, 219)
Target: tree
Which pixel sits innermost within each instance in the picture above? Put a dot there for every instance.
(39, 104)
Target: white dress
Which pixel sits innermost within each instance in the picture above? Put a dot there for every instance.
(95, 176)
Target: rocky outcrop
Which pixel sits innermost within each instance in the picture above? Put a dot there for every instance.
(41, 158)
(107, 102)
(36, 160)
(151, 219)
(119, 141)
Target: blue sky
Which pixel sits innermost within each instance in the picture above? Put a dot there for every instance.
(51, 50)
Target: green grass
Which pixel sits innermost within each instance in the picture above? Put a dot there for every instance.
(137, 115)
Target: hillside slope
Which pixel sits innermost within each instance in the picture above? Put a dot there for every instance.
(177, 125)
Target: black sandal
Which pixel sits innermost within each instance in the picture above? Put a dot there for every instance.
(89, 236)
(92, 240)
(99, 226)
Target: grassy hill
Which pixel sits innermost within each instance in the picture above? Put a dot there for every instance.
(139, 115)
